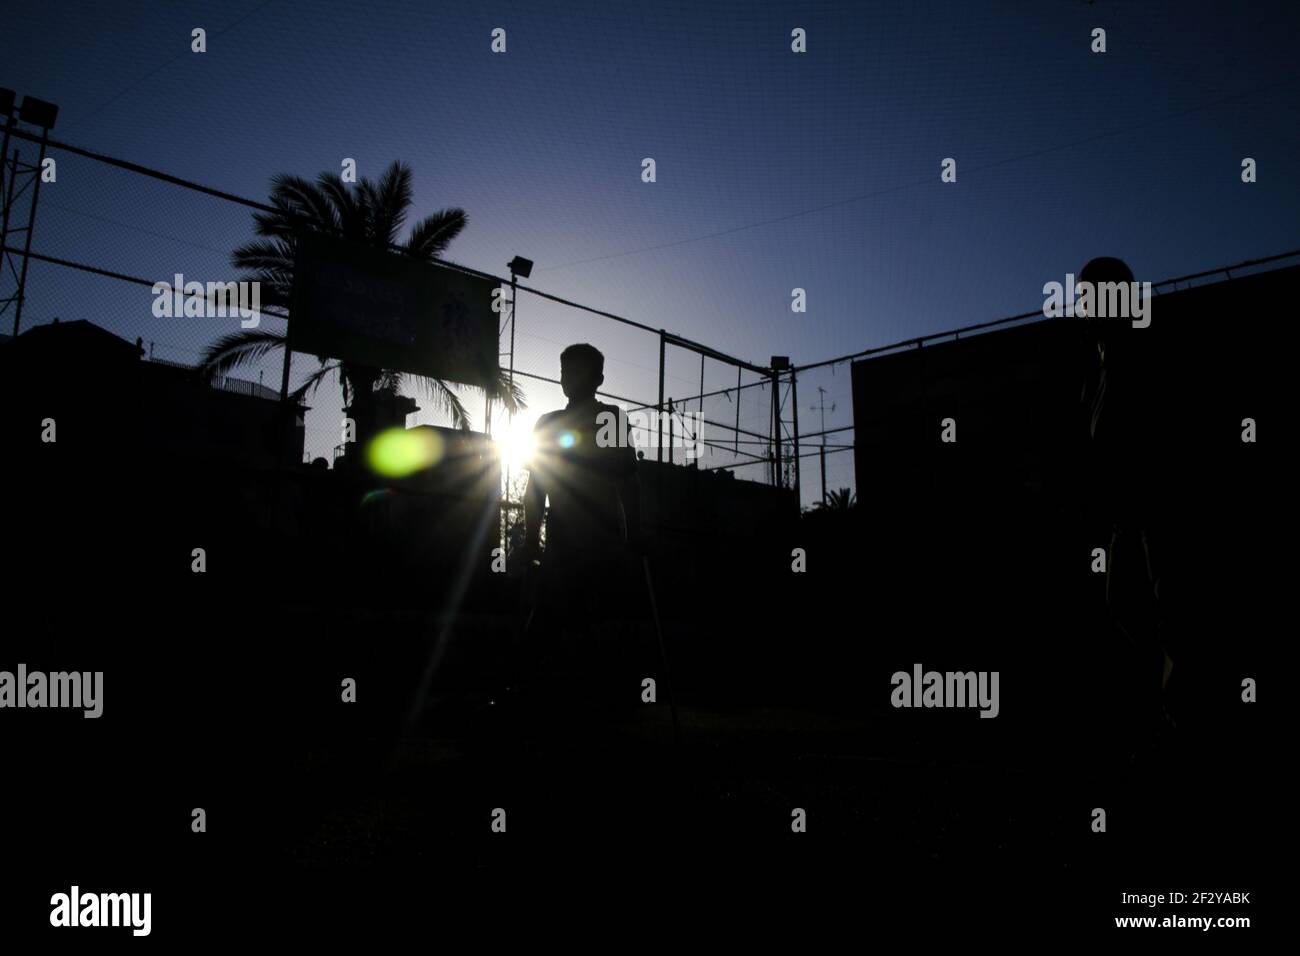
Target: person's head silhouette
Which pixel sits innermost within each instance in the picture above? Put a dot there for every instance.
(1105, 269)
(582, 371)
(1099, 271)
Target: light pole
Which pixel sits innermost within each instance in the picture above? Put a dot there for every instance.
(519, 267)
(822, 405)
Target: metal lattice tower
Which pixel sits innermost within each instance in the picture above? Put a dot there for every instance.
(19, 181)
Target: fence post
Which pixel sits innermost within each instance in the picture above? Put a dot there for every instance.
(659, 409)
(794, 402)
(672, 432)
(776, 429)
(736, 433)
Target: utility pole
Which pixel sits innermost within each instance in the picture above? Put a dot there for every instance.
(822, 405)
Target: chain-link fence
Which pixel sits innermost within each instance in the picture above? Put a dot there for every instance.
(94, 259)
(90, 257)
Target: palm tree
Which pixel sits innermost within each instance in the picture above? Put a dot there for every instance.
(371, 214)
(841, 500)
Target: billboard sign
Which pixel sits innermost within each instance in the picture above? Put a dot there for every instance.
(373, 307)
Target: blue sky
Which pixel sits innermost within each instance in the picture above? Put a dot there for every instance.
(775, 170)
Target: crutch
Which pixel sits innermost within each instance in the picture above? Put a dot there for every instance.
(663, 651)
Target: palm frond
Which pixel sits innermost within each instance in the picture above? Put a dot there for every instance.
(284, 223)
(306, 198)
(441, 395)
(351, 215)
(313, 382)
(841, 499)
(271, 255)
(392, 199)
(510, 395)
(237, 350)
(430, 236)
(366, 202)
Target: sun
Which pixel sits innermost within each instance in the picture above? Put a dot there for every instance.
(516, 445)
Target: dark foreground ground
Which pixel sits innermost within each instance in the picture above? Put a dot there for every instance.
(373, 819)
(712, 818)
(324, 822)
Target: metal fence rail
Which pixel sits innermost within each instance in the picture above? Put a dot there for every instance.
(750, 412)
(84, 224)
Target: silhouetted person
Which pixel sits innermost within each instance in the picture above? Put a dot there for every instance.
(585, 464)
(1124, 427)
(595, 507)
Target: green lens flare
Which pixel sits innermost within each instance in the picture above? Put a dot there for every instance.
(399, 452)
